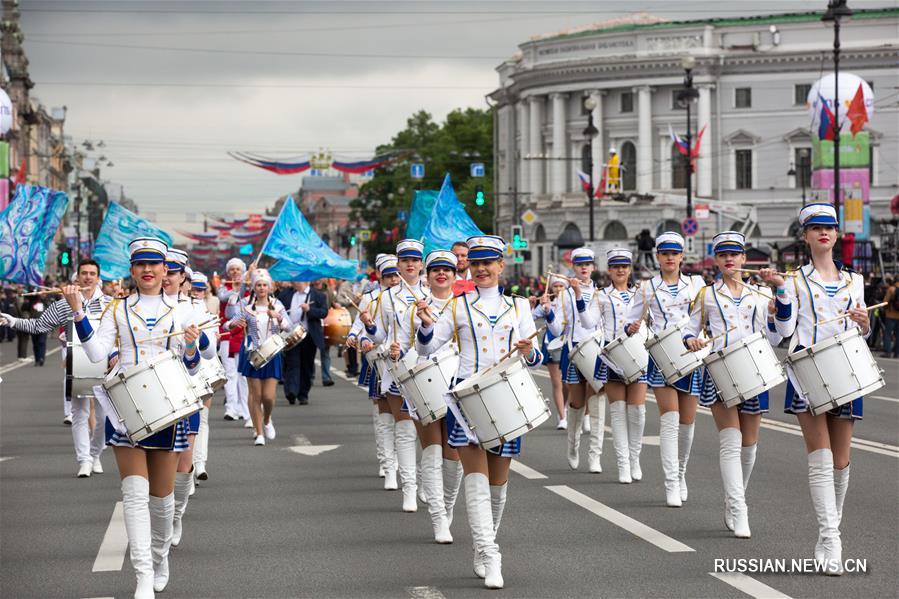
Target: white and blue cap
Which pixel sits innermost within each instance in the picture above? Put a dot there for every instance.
(818, 213)
(485, 247)
(176, 259)
(410, 248)
(669, 241)
(729, 241)
(189, 272)
(147, 249)
(442, 258)
(199, 281)
(260, 274)
(620, 257)
(388, 265)
(379, 260)
(582, 256)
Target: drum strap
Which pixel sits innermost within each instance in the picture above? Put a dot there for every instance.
(812, 306)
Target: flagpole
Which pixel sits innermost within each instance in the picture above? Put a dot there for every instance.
(271, 230)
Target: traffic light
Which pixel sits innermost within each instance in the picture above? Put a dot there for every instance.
(518, 242)
(479, 198)
(65, 258)
(353, 240)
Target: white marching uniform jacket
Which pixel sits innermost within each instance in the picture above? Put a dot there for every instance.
(806, 302)
(395, 305)
(483, 336)
(613, 310)
(200, 315)
(124, 327)
(410, 323)
(665, 308)
(716, 308)
(257, 333)
(369, 301)
(579, 318)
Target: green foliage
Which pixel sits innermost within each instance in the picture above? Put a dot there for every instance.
(465, 136)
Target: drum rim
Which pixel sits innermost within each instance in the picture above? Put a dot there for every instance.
(811, 350)
(738, 344)
(585, 342)
(513, 362)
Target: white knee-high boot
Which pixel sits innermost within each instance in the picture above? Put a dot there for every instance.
(162, 510)
(821, 486)
(452, 480)
(183, 484)
(668, 450)
(498, 503)
(618, 419)
(480, 518)
(840, 485)
(405, 459)
(575, 416)
(98, 437)
(432, 482)
(729, 440)
(684, 444)
(636, 421)
(379, 438)
(136, 512)
(201, 445)
(747, 462)
(597, 409)
(388, 439)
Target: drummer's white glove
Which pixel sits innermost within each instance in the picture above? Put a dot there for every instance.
(7, 320)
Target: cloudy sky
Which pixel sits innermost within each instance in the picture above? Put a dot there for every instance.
(172, 85)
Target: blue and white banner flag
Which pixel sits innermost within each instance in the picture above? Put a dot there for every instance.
(27, 227)
(449, 222)
(119, 227)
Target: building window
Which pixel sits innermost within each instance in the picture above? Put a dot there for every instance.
(743, 97)
(615, 231)
(678, 169)
(628, 166)
(803, 167)
(668, 225)
(675, 105)
(627, 101)
(743, 166)
(800, 93)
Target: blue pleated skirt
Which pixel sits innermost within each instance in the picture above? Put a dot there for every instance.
(692, 383)
(173, 438)
(709, 395)
(456, 437)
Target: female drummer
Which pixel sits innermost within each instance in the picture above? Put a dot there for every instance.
(439, 461)
(555, 285)
(147, 469)
(262, 315)
(200, 293)
(731, 310)
(667, 297)
(575, 317)
(627, 403)
(820, 291)
(394, 306)
(487, 325)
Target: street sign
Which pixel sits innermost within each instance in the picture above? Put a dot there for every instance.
(701, 211)
(691, 246)
(246, 249)
(364, 234)
(477, 169)
(529, 217)
(401, 216)
(518, 259)
(417, 170)
(689, 226)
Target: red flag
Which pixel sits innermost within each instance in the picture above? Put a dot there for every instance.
(601, 188)
(20, 176)
(857, 113)
(694, 151)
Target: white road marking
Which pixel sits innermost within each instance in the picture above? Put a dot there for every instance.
(115, 542)
(749, 585)
(15, 365)
(99, 598)
(884, 398)
(425, 593)
(312, 450)
(526, 471)
(302, 440)
(635, 527)
(7, 458)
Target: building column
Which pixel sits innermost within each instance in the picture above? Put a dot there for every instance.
(598, 145)
(535, 138)
(559, 166)
(704, 160)
(524, 146)
(644, 139)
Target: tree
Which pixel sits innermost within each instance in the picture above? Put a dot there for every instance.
(465, 137)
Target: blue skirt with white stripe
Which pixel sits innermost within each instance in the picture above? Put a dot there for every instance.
(607, 375)
(173, 438)
(570, 373)
(193, 424)
(272, 370)
(365, 372)
(709, 395)
(456, 437)
(692, 383)
(793, 404)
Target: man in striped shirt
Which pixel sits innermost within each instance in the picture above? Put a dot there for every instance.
(59, 314)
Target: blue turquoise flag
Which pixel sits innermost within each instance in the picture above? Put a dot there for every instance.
(118, 229)
(27, 226)
(301, 254)
(422, 206)
(449, 222)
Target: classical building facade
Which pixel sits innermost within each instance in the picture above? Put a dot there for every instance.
(752, 76)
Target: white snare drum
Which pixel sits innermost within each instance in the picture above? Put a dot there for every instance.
(627, 356)
(585, 355)
(667, 351)
(266, 352)
(501, 404)
(152, 395)
(555, 344)
(377, 359)
(81, 373)
(426, 383)
(744, 369)
(293, 337)
(209, 378)
(835, 371)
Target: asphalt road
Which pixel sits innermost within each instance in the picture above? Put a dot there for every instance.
(283, 522)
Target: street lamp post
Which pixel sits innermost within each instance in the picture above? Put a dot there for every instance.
(836, 10)
(687, 96)
(589, 134)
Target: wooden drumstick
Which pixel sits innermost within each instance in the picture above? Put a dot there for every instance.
(710, 341)
(167, 335)
(751, 288)
(50, 290)
(845, 315)
(509, 353)
(418, 299)
(751, 271)
(349, 299)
